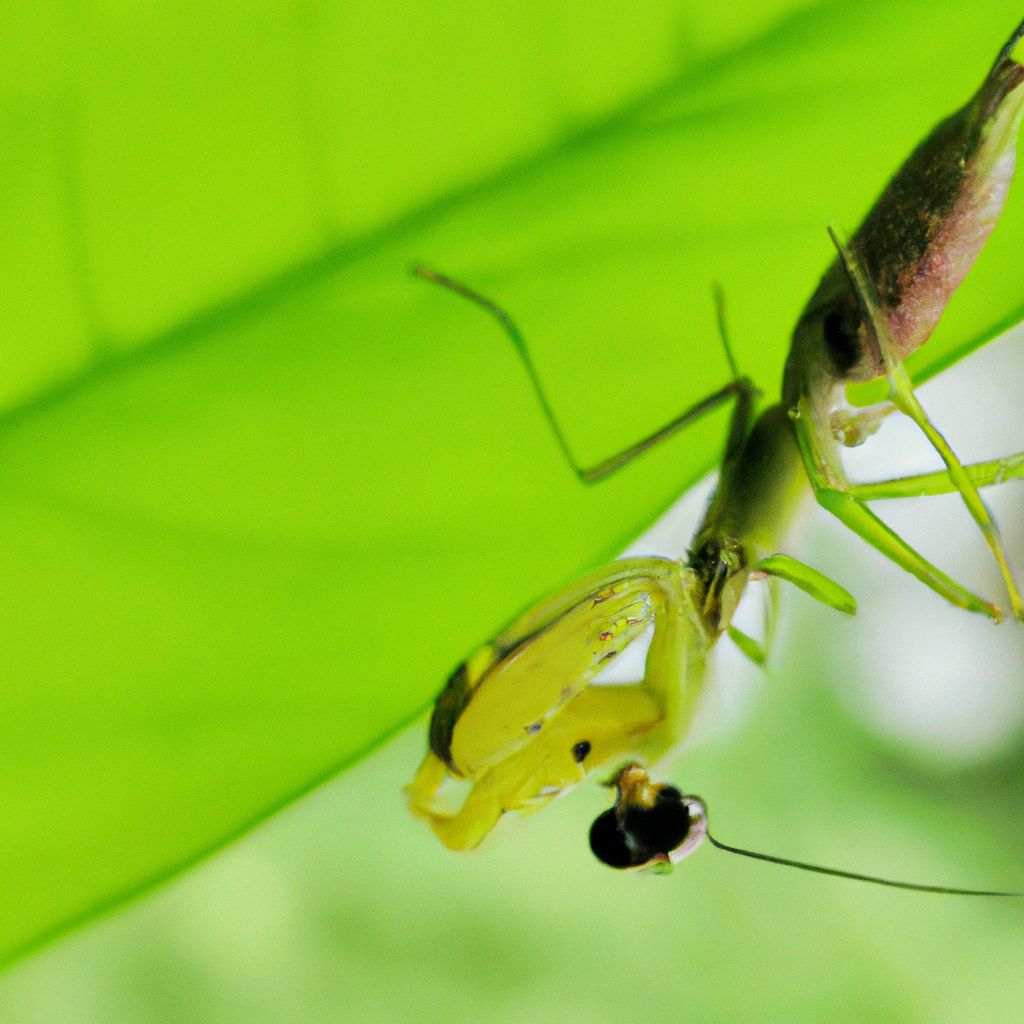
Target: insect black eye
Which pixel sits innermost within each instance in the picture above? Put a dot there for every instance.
(608, 841)
(644, 834)
(580, 751)
(840, 332)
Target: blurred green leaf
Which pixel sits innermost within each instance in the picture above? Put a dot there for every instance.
(259, 490)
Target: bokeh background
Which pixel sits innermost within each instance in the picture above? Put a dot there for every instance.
(259, 491)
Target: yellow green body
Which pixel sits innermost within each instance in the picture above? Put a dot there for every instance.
(522, 721)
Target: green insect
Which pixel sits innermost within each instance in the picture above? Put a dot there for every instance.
(521, 720)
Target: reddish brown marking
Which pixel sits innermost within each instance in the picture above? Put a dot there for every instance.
(606, 635)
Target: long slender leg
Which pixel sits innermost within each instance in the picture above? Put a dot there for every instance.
(740, 388)
(743, 390)
(810, 581)
(907, 402)
(983, 474)
(833, 493)
(759, 651)
(756, 650)
(903, 397)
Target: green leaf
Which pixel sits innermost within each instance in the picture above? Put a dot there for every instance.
(259, 489)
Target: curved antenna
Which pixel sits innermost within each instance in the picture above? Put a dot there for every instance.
(718, 296)
(856, 876)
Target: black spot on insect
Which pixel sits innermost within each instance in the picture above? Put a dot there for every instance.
(608, 842)
(638, 835)
(608, 656)
(580, 751)
(534, 727)
(839, 329)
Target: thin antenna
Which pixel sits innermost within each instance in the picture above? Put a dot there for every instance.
(719, 295)
(742, 416)
(856, 876)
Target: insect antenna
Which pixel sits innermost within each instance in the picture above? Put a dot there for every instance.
(857, 876)
(723, 331)
(746, 395)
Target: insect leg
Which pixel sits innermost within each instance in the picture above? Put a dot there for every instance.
(833, 493)
(430, 776)
(756, 650)
(983, 474)
(467, 827)
(740, 388)
(906, 400)
(903, 397)
(759, 651)
(675, 667)
(784, 567)
(810, 581)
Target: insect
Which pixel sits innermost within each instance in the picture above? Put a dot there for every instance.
(524, 718)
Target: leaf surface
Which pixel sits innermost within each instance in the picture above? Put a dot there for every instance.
(260, 489)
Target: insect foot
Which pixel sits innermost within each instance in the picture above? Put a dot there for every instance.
(652, 825)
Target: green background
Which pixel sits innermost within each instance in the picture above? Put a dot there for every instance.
(259, 490)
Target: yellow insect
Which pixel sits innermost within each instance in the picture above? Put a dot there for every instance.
(525, 717)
